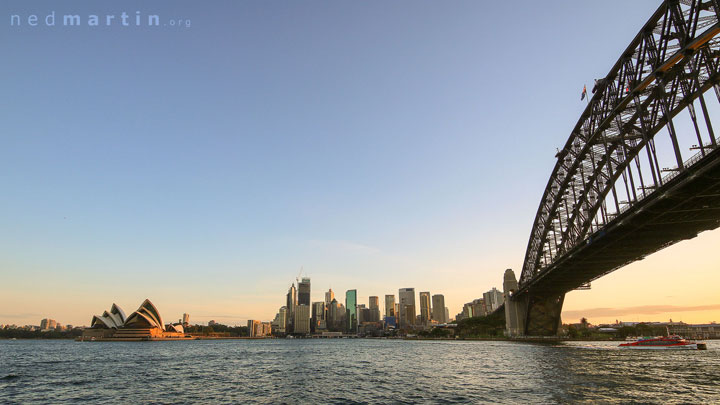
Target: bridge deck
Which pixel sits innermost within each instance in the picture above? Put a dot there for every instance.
(685, 205)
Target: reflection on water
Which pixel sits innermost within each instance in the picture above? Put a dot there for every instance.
(353, 371)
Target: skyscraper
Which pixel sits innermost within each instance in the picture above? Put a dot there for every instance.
(351, 310)
(336, 316)
(304, 292)
(374, 306)
(186, 319)
(329, 296)
(438, 308)
(318, 316)
(390, 305)
(280, 321)
(302, 319)
(291, 303)
(407, 307)
(425, 308)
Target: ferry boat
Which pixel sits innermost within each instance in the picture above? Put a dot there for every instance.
(670, 342)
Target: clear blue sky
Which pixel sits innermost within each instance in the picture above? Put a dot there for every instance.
(378, 144)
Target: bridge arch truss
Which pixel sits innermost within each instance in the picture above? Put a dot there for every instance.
(648, 121)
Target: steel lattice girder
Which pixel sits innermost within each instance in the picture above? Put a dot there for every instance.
(671, 62)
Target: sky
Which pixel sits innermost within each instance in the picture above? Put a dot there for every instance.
(206, 162)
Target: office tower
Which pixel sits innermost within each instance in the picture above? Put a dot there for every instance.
(291, 303)
(186, 319)
(361, 313)
(301, 322)
(447, 314)
(389, 305)
(364, 314)
(425, 308)
(44, 324)
(329, 297)
(406, 297)
(318, 316)
(493, 299)
(374, 309)
(438, 308)
(303, 292)
(336, 316)
(278, 324)
(351, 311)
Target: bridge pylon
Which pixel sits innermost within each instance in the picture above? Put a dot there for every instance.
(530, 314)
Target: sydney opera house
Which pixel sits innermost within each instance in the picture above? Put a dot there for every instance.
(143, 324)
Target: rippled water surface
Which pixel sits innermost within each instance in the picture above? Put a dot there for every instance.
(352, 371)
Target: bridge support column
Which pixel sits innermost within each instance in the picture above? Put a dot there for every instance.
(543, 315)
(514, 310)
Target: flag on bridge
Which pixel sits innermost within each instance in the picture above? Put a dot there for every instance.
(584, 93)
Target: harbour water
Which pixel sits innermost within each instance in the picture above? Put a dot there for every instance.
(353, 371)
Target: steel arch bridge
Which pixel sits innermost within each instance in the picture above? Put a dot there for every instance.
(641, 168)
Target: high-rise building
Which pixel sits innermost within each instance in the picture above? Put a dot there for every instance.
(303, 292)
(186, 319)
(254, 328)
(302, 319)
(479, 308)
(407, 311)
(438, 308)
(329, 296)
(493, 299)
(279, 323)
(318, 316)
(374, 305)
(390, 305)
(351, 311)
(425, 308)
(447, 314)
(336, 316)
(291, 303)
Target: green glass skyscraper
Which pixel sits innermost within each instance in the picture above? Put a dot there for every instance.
(351, 310)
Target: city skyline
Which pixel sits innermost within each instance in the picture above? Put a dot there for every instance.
(369, 153)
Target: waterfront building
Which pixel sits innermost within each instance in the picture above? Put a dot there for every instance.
(253, 326)
(351, 311)
(143, 324)
(407, 307)
(447, 314)
(699, 331)
(493, 300)
(390, 305)
(186, 319)
(303, 292)
(259, 329)
(290, 304)
(301, 323)
(425, 308)
(438, 308)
